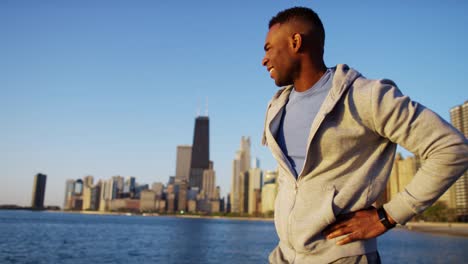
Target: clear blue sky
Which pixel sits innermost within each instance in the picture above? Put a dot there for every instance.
(108, 88)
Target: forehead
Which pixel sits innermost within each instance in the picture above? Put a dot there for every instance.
(274, 32)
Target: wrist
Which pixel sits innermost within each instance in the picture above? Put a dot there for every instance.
(385, 219)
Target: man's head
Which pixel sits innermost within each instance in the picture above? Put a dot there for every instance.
(294, 35)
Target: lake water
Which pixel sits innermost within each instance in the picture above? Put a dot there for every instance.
(53, 237)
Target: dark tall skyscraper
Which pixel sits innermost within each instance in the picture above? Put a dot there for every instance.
(38, 191)
(200, 151)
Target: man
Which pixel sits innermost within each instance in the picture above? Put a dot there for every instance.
(334, 135)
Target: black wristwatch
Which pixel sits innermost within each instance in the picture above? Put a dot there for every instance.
(384, 219)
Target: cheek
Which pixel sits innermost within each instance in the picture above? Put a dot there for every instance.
(278, 59)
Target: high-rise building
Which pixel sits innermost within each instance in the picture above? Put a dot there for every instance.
(240, 165)
(87, 190)
(402, 173)
(158, 188)
(227, 208)
(86, 197)
(171, 180)
(255, 186)
(129, 187)
(256, 163)
(95, 196)
(116, 187)
(182, 196)
(244, 192)
(200, 157)
(183, 159)
(69, 190)
(148, 201)
(245, 153)
(106, 195)
(77, 198)
(209, 182)
(269, 191)
(235, 185)
(38, 192)
(217, 193)
(459, 119)
(139, 188)
(78, 187)
(171, 198)
(88, 181)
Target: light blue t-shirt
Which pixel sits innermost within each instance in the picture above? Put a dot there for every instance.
(297, 118)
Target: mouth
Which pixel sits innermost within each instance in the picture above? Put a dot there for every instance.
(270, 69)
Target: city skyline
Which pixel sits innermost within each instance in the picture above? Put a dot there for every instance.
(109, 88)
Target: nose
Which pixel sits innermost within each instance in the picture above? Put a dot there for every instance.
(265, 61)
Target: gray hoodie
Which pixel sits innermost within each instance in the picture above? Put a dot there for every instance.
(350, 152)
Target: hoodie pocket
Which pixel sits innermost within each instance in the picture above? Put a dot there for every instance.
(312, 213)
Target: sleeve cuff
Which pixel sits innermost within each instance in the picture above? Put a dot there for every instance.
(399, 210)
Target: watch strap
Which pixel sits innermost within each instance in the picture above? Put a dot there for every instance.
(384, 219)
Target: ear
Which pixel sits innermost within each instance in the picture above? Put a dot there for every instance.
(296, 42)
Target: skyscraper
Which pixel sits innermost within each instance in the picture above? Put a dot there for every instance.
(158, 188)
(95, 196)
(244, 192)
(402, 173)
(240, 165)
(183, 159)
(69, 191)
(78, 187)
(129, 187)
(200, 158)
(38, 192)
(106, 194)
(86, 197)
(459, 119)
(117, 186)
(182, 196)
(269, 191)
(87, 191)
(209, 182)
(88, 181)
(254, 191)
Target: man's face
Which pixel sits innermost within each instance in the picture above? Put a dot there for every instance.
(278, 55)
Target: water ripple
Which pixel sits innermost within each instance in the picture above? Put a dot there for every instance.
(43, 237)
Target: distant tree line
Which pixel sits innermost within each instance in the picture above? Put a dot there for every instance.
(438, 212)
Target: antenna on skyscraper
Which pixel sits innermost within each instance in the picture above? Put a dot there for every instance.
(206, 110)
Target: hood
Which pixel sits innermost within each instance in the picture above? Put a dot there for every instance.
(343, 78)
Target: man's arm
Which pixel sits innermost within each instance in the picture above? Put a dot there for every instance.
(442, 148)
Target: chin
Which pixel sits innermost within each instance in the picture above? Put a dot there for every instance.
(282, 83)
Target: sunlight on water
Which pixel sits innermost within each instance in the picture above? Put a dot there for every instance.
(42, 237)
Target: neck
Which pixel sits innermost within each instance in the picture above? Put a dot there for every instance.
(308, 77)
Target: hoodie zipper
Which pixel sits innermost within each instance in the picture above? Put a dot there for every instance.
(290, 221)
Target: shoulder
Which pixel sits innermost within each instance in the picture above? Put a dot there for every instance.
(370, 99)
(374, 90)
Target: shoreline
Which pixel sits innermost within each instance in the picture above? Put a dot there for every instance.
(447, 228)
(246, 218)
(442, 228)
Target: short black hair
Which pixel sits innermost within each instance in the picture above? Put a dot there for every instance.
(301, 13)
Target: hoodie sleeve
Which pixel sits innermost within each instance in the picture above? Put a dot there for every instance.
(442, 148)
